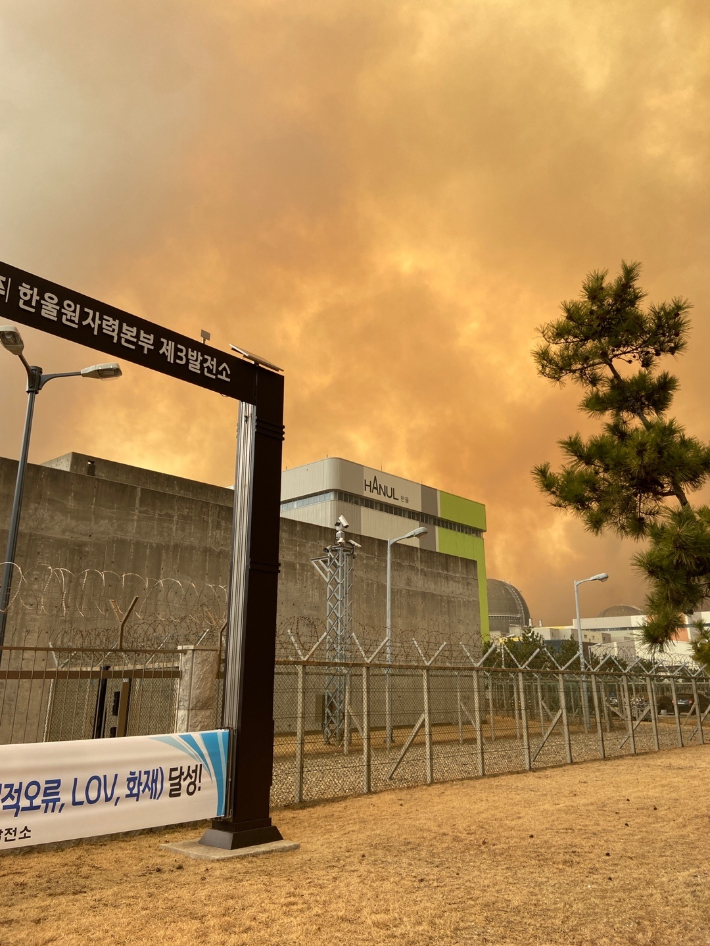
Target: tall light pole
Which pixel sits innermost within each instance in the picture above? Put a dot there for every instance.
(388, 633)
(601, 577)
(11, 340)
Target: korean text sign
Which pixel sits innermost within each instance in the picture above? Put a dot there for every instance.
(58, 791)
(49, 307)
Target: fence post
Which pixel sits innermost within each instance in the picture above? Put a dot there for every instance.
(490, 708)
(458, 706)
(565, 720)
(346, 732)
(629, 717)
(366, 763)
(652, 709)
(698, 714)
(477, 721)
(676, 713)
(605, 704)
(429, 752)
(389, 727)
(539, 706)
(300, 733)
(516, 706)
(597, 716)
(524, 721)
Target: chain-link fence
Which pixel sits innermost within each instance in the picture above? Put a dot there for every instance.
(100, 655)
(461, 722)
(400, 724)
(53, 694)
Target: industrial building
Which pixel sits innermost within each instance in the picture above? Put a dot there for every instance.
(95, 534)
(383, 506)
(615, 631)
(82, 512)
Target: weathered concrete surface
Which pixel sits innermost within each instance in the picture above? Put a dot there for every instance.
(196, 689)
(204, 853)
(123, 519)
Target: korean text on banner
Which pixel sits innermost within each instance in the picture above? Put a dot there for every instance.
(58, 791)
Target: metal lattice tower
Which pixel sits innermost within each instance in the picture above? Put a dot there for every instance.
(336, 567)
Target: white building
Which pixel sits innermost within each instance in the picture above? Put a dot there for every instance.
(616, 631)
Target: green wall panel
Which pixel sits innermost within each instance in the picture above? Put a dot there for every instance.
(458, 509)
(472, 547)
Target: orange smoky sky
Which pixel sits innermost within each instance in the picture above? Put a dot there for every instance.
(385, 198)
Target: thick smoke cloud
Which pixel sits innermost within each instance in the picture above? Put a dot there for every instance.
(384, 198)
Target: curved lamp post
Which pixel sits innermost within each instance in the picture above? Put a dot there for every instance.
(11, 340)
(600, 577)
(388, 633)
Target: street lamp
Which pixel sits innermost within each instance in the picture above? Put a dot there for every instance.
(388, 633)
(11, 340)
(601, 577)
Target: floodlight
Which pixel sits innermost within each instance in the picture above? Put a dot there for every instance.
(102, 372)
(255, 358)
(11, 339)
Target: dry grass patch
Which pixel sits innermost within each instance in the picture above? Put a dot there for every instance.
(602, 853)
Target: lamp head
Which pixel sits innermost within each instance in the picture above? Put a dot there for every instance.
(11, 339)
(601, 577)
(103, 372)
(409, 535)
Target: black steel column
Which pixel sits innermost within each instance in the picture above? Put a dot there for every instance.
(252, 741)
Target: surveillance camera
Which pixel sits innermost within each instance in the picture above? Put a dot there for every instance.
(342, 522)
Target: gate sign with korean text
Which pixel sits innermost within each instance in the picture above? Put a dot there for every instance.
(51, 308)
(60, 791)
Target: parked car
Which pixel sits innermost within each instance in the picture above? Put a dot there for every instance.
(686, 702)
(664, 704)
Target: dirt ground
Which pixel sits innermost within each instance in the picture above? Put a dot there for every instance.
(605, 853)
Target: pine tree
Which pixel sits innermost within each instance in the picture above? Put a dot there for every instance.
(525, 647)
(634, 477)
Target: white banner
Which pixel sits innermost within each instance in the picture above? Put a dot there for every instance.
(57, 791)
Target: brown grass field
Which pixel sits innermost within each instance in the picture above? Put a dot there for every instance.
(602, 853)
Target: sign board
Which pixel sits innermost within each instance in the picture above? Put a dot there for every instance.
(251, 639)
(51, 308)
(59, 791)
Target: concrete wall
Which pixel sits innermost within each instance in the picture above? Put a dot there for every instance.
(83, 513)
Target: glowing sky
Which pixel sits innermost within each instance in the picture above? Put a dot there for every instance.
(385, 198)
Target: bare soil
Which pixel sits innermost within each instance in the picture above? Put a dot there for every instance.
(605, 852)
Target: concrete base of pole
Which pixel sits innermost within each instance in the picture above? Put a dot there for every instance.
(205, 853)
(230, 835)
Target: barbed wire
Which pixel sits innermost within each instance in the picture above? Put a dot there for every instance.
(89, 607)
(302, 637)
(103, 608)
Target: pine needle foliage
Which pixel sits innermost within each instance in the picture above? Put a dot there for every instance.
(634, 477)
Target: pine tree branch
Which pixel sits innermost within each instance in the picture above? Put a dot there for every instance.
(678, 491)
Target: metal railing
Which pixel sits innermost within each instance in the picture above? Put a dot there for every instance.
(51, 694)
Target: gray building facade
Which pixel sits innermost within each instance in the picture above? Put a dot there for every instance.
(85, 516)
